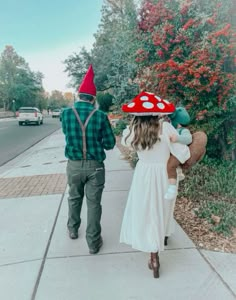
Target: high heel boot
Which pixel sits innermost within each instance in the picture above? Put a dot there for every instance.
(154, 264)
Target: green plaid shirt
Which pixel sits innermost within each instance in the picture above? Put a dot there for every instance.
(99, 134)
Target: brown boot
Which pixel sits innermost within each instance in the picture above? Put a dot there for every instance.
(154, 264)
(166, 240)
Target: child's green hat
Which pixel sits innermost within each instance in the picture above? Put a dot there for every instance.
(180, 116)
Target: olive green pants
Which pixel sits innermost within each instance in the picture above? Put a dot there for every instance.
(86, 177)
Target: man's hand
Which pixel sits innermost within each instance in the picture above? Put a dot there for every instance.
(173, 138)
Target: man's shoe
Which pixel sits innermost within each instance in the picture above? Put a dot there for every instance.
(96, 250)
(73, 235)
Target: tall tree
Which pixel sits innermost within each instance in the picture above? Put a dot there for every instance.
(114, 49)
(17, 81)
(112, 53)
(56, 100)
(77, 65)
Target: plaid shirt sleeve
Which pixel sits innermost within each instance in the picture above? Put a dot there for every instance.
(108, 137)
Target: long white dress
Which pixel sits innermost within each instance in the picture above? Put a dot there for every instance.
(148, 217)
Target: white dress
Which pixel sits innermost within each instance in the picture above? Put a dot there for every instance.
(148, 217)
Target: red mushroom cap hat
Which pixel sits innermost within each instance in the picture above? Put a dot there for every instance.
(148, 104)
(87, 86)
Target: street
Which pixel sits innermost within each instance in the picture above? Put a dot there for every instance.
(15, 139)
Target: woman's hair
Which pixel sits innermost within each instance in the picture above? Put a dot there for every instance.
(146, 132)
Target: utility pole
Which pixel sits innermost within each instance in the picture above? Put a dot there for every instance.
(14, 107)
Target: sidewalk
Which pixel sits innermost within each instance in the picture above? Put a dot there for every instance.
(39, 261)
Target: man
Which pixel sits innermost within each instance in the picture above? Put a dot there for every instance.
(87, 132)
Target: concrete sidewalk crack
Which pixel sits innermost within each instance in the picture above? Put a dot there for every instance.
(20, 262)
(214, 270)
(46, 250)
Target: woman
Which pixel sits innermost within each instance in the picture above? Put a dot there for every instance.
(148, 218)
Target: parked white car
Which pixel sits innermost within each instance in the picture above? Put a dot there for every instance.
(56, 113)
(27, 115)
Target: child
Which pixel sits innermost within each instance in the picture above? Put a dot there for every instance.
(197, 146)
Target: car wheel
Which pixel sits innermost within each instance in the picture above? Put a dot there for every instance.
(38, 123)
(42, 122)
(20, 123)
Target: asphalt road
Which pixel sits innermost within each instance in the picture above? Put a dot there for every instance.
(15, 139)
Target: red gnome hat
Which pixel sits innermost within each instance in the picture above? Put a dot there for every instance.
(87, 86)
(148, 104)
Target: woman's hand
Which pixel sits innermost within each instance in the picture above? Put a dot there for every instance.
(173, 138)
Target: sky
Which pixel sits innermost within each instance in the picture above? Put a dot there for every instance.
(46, 32)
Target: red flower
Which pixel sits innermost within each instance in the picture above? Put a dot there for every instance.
(224, 31)
(211, 21)
(188, 24)
(160, 53)
(184, 10)
(213, 41)
(201, 114)
(172, 63)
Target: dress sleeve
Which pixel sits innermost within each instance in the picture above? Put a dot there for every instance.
(180, 151)
(185, 137)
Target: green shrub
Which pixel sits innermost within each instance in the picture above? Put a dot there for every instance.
(221, 215)
(211, 184)
(120, 126)
(210, 180)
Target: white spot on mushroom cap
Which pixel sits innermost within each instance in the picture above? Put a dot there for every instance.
(158, 98)
(160, 105)
(130, 105)
(144, 98)
(148, 105)
(166, 101)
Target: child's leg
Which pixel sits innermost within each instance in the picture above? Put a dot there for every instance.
(197, 149)
(172, 165)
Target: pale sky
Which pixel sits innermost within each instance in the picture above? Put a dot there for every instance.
(46, 32)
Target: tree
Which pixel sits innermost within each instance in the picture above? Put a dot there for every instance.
(114, 49)
(57, 100)
(77, 65)
(69, 98)
(186, 45)
(17, 81)
(112, 54)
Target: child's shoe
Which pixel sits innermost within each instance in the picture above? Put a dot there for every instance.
(180, 174)
(171, 192)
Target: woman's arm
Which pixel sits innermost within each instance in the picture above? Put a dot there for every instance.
(180, 151)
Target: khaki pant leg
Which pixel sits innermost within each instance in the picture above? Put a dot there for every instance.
(94, 188)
